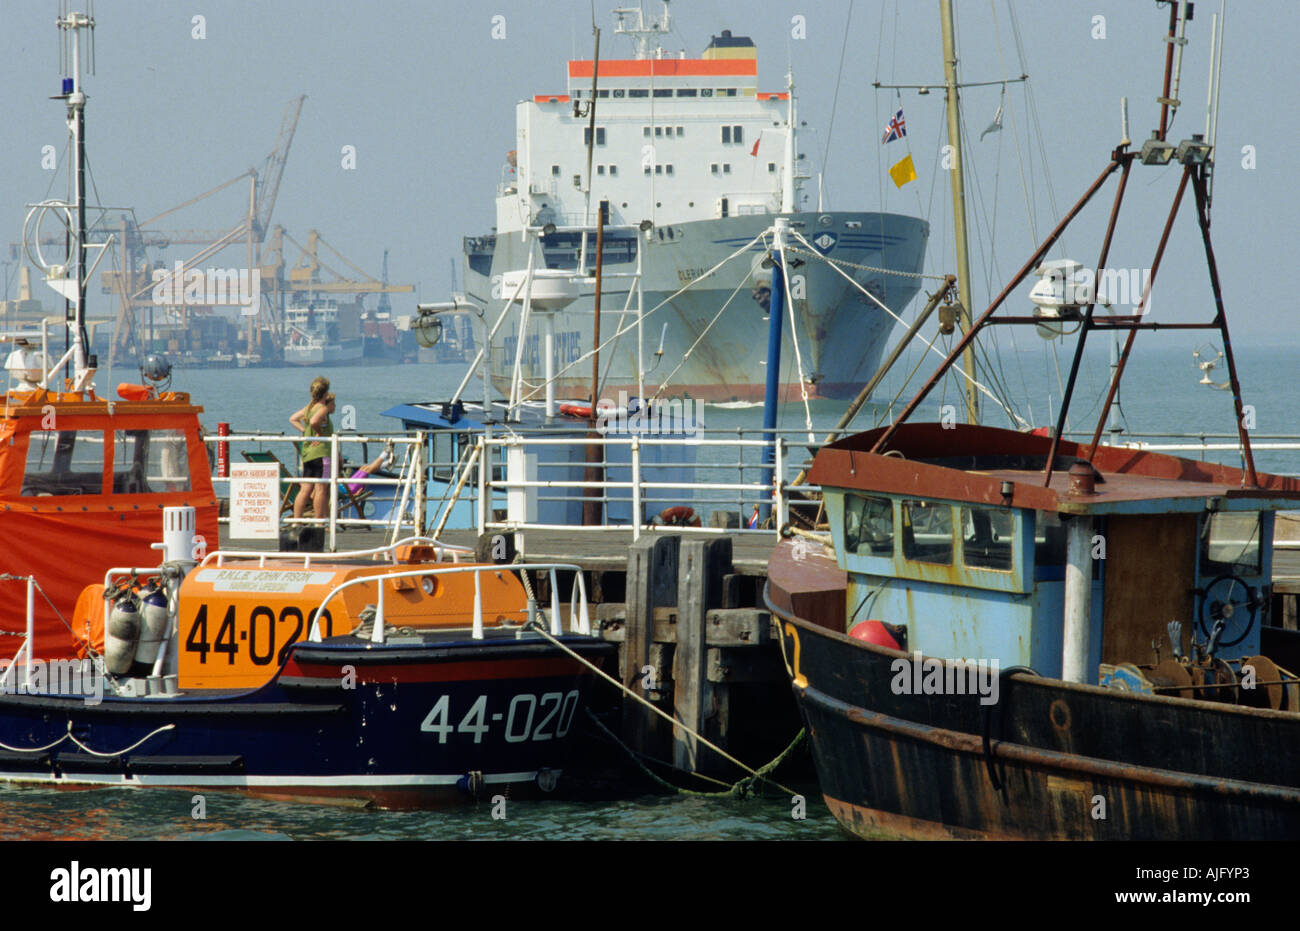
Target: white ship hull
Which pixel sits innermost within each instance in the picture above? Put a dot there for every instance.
(841, 332)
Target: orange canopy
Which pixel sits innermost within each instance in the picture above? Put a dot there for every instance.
(69, 512)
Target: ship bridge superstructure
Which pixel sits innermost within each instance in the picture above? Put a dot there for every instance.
(677, 139)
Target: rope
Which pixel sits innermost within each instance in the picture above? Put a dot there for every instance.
(866, 268)
(741, 789)
(5, 746)
(631, 326)
(955, 367)
(165, 727)
(621, 687)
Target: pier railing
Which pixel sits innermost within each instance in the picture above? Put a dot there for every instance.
(538, 480)
(399, 501)
(721, 477)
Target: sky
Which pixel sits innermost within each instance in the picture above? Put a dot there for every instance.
(426, 93)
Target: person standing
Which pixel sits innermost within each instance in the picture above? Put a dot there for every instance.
(314, 421)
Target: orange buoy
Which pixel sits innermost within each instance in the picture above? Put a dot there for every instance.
(129, 392)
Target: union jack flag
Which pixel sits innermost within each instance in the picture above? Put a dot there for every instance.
(895, 129)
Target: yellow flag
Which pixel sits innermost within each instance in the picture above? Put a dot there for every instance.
(903, 172)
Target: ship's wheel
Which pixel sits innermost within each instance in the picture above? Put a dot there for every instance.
(1229, 598)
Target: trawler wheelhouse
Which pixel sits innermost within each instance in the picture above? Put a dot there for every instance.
(969, 552)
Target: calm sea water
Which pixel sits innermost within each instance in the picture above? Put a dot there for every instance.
(1161, 395)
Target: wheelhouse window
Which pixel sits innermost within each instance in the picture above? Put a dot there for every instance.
(986, 538)
(1049, 539)
(149, 462)
(64, 462)
(927, 532)
(1230, 544)
(868, 525)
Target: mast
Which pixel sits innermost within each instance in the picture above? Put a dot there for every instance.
(787, 181)
(76, 103)
(959, 204)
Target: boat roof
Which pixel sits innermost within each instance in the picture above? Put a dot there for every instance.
(1006, 468)
(33, 403)
(441, 415)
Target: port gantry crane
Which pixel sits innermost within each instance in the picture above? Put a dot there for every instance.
(133, 280)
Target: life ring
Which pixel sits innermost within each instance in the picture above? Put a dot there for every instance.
(679, 516)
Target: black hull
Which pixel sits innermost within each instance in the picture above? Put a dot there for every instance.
(1057, 756)
(405, 733)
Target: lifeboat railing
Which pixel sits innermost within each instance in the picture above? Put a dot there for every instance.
(441, 551)
(578, 607)
(25, 651)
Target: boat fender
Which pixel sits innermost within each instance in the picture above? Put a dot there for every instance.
(576, 410)
(129, 392)
(153, 623)
(123, 634)
(679, 516)
(880, 634)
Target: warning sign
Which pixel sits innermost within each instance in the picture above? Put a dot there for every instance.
(255, 501)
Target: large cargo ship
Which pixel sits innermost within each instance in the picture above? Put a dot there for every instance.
(695, 162)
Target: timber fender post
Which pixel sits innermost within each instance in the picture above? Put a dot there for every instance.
(651, 583)
(698, 703)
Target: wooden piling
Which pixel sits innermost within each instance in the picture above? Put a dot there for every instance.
(698, 703)
(651, 583)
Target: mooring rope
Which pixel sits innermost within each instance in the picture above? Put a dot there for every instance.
(153, 733)
(756, 774)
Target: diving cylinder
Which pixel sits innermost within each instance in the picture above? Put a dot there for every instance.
(153, 624)
(122, 635)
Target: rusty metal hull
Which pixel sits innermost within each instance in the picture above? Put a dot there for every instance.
(1060, 761)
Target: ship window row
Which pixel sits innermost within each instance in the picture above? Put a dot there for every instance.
(619, 93)
(577, 179)
(725, 168)
(731, 135)
(600, 135)
(663, 131)
(660, 169)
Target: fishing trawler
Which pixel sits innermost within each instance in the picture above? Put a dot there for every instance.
(695, 161)
(1017, 636)
(398, 676)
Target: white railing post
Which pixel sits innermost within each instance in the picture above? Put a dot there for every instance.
(377, 635)
(478, 605)
(778, 482)
(556, 630)
(418, 524)
(484, 464)
(334, 491)
(31, 632)
(584, 620)
(636, 488)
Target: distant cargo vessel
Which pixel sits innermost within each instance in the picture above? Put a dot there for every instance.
(322, 333)
(697, 162)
